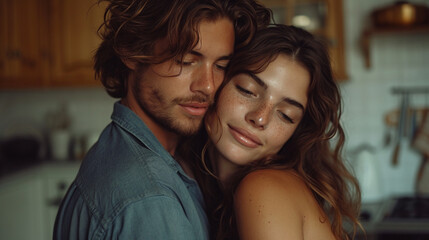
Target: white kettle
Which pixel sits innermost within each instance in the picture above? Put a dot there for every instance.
(367, 172)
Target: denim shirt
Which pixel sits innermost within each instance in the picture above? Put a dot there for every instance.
(129, 187)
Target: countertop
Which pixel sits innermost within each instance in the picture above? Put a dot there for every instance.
(12, 170)
(378, 217)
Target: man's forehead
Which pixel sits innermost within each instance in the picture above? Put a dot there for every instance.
(207, 30)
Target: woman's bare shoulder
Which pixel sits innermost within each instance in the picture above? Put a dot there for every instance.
(277, 190)
(269, 203)
(273, 203)
(274, 181)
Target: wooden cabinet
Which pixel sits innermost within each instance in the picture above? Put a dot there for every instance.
(23, 46)
(73, 31)
(323, 18)
(48, 43)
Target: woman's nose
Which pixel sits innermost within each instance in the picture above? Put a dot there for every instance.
(259, 117)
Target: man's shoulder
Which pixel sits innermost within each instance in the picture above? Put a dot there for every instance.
(119, 169)
(127, 174)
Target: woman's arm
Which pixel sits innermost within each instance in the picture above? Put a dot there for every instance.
(268, 206)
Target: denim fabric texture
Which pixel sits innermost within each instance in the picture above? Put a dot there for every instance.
(130, 187)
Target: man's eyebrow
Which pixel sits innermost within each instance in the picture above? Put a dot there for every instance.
(228, 57)
(288, 100)
(193, 52)
(198, 54)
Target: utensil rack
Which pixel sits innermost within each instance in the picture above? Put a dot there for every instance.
(410, 90)
(392, 117)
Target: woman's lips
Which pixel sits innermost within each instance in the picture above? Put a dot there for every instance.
(244, 137)
(195, 109)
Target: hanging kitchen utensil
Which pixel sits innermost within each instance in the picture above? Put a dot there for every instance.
(422, 186)
(387, 136)
(401, 126)
(421, 143)
(421, 139)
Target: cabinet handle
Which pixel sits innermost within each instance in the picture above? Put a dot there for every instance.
(13, 54)
(17, 55)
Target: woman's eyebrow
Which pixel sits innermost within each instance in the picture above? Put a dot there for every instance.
(257, 80)
(294, 103)
(288, 100)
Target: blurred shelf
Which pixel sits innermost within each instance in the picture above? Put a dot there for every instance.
(327, 17)
(366, 35)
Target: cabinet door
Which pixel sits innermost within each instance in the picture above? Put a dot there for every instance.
(23, 43)
(335, 35)
(21, 209)
(323, 18)
(73, 26)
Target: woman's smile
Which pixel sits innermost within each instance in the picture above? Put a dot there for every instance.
(244, 137)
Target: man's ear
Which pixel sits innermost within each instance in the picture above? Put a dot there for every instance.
(130, 63)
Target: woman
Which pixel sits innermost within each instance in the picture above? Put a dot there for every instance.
(269, 169)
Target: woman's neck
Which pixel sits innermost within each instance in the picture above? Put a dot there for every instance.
(223, 168)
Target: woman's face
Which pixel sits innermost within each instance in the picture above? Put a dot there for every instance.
(259, 113)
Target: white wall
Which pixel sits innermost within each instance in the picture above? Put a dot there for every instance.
(90, 108)
(397, 60)
(25, 111)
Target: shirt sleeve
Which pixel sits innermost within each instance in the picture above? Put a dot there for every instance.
(156, 217)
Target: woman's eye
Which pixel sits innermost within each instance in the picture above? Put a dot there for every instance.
(286, 117)
(244, 91)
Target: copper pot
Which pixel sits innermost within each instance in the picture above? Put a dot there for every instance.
(401, 14)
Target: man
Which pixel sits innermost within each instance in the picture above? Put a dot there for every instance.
(164, 59)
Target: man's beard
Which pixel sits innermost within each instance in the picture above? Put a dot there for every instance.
(157, 108)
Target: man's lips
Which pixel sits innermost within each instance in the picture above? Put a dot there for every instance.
(244, 137)
(195, 109)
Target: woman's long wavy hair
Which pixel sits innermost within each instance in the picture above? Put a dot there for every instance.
(132, 28)
(313, 151)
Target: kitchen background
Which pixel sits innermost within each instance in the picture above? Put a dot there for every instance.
(397, 60)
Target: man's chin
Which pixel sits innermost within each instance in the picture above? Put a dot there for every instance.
(188, 129)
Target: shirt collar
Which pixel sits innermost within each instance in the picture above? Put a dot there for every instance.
(130, 122)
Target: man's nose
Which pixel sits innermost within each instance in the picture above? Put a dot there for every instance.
(260, 116)
(205, 81)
